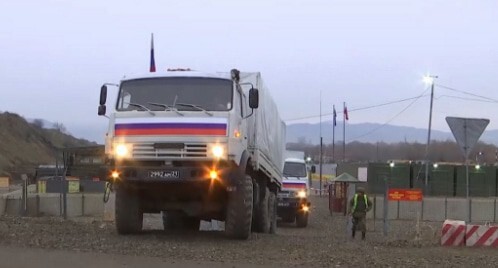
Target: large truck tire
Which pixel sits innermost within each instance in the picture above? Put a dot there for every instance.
(173, 220)
(129, 216)
(272, 203)
(239, 210)
(263, 219)
(302, 219)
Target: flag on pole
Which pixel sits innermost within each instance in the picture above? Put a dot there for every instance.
(152, 61)
(346, 113)
(335, 117)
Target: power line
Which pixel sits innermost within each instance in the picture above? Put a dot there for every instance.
(463, 98)
(358, 109)
(392, 118)
(467, 93)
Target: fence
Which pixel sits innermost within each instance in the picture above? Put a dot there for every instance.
(442, 180)
(477, 210)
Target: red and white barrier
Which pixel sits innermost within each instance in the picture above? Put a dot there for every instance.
(453, 233)
(481, 235)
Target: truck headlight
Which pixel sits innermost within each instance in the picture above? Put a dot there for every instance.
(218, 151)
(122, 150)
(301, 194)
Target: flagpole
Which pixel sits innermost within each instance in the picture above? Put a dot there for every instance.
(152, 67)
(344, 132)
(333, 135)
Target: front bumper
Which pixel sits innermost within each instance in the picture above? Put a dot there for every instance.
(295, 204)
(184, 172)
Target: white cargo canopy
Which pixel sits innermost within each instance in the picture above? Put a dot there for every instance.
(269, 137)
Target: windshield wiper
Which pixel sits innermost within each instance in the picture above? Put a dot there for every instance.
(196, 107)
(143, 107)
(169, 108)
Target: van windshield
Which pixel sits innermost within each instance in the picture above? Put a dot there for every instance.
(294, 169)
(178, 93)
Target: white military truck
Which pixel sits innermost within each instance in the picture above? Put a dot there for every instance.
(195, 146)
(293, 204)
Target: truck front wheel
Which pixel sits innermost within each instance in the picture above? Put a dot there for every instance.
(129, 217)
(239, 210)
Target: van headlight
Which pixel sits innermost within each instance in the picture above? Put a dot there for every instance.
(122, 150)
(301, 194)
(218, 151)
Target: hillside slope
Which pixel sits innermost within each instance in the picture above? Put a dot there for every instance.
(24, 145)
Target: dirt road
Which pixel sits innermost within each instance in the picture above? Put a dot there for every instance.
(323, 243)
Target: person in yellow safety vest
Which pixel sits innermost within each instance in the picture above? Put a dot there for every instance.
(359, 205)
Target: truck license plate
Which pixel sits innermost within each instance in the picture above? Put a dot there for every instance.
(161, 174)
(283, 204)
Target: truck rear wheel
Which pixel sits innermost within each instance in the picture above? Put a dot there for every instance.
(273, 212)
(239, 210)
(302, 219)
(129, 217)
(263, 219)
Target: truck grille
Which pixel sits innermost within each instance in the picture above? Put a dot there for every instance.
(168, 151)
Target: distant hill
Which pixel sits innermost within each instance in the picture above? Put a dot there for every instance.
(372, 133)
(24, 144)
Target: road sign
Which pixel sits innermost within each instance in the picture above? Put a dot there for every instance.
(405, 195)
(467, 132)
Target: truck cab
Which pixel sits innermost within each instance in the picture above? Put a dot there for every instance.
(293, 204)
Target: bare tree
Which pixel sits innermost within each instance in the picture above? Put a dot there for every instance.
(38, 123)
(60, 127)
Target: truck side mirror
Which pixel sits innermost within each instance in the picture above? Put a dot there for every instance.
(102, 109)
(103, 95)
(253, 98)
(313, 169)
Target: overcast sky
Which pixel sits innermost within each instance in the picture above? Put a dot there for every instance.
(55, 54)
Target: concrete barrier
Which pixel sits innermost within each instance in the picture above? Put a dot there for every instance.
(3, 204)
(74, 205)
(33, 206)
(50, 205)
(109, 213)
(482, 210)
(371, 213)
(392, 212)
(496, 211)
(410, 210)
(434, 209)
(457, 209)
(93, 205)
(13, 206)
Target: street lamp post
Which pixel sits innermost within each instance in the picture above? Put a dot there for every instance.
(429, 80)
(387, 181)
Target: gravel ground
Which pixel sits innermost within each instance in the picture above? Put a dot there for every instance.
(324, 243)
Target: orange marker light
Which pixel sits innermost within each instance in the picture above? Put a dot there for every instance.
(213, 174)
(237, 134)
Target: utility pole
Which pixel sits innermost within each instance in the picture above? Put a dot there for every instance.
(429, 79)
(321, 143)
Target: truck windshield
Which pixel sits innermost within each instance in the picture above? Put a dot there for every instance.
(163, 94)
(294, 169)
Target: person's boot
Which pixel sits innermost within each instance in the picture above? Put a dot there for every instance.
(363, 234)
(353, 234)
